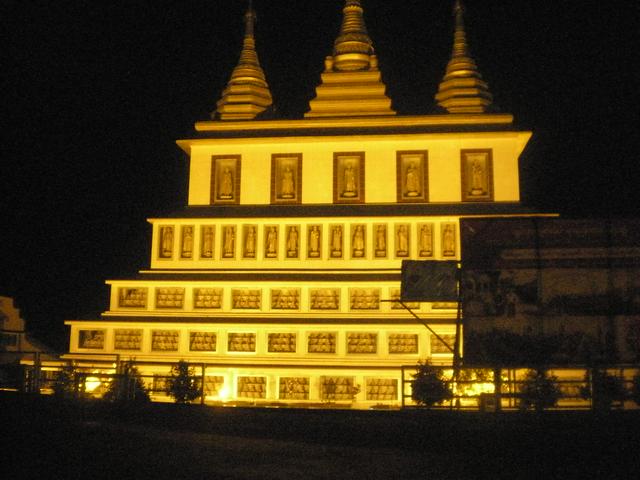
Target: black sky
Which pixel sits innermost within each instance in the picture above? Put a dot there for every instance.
(95, 93)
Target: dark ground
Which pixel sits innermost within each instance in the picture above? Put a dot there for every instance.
(50, 439)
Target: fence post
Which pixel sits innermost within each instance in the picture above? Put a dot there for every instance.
(202, 386)
(37, 372)
(497, 388)
(402, 386)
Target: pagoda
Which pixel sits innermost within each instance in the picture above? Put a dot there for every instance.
(280, 278)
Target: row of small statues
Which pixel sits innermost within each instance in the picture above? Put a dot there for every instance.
(281, 299)
(285, 299)
(314, 243)
(397, 342)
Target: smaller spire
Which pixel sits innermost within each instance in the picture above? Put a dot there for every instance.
(247, 93)
(462, 89)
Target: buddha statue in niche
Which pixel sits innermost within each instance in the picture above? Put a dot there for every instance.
(225, 189)
(314, 242)
(228, 250)
(271, 243)
(287, 184)
(357, 242)
(250, 242)
(402, 241)
(350, 186)
(292, 242)
(381, 241)
(187, 242)
(426, 240)
(336, 241)
(412, 180)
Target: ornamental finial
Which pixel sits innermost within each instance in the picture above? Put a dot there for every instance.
(353, 48)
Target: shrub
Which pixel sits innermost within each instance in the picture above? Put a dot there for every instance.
(64, 385)
(603, 389)
(539, 390)
(183, 385)
(127, 386)
(428, 387)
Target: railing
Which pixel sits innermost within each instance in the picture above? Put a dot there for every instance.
(489, 388)
(485, 388)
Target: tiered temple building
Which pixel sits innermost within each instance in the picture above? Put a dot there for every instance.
(278, 277)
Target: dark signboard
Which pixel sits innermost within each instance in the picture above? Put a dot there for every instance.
(575, 280)
(429, 281)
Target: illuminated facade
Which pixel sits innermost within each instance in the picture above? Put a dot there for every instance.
(279, 274)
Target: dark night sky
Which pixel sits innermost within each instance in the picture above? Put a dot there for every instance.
(95, 93)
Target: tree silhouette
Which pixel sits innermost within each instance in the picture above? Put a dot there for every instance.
(428, 387)
(183, 385)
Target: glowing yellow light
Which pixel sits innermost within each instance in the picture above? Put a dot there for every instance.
(91, 383)
(224, 393)
(475, 389)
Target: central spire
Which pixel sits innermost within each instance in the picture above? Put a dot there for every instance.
(351, 82)
(247, 93)
(353, 48)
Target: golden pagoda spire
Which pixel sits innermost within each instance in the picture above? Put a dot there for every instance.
(462, 89)
(247, 93)
(353, 48)
(351, 82)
